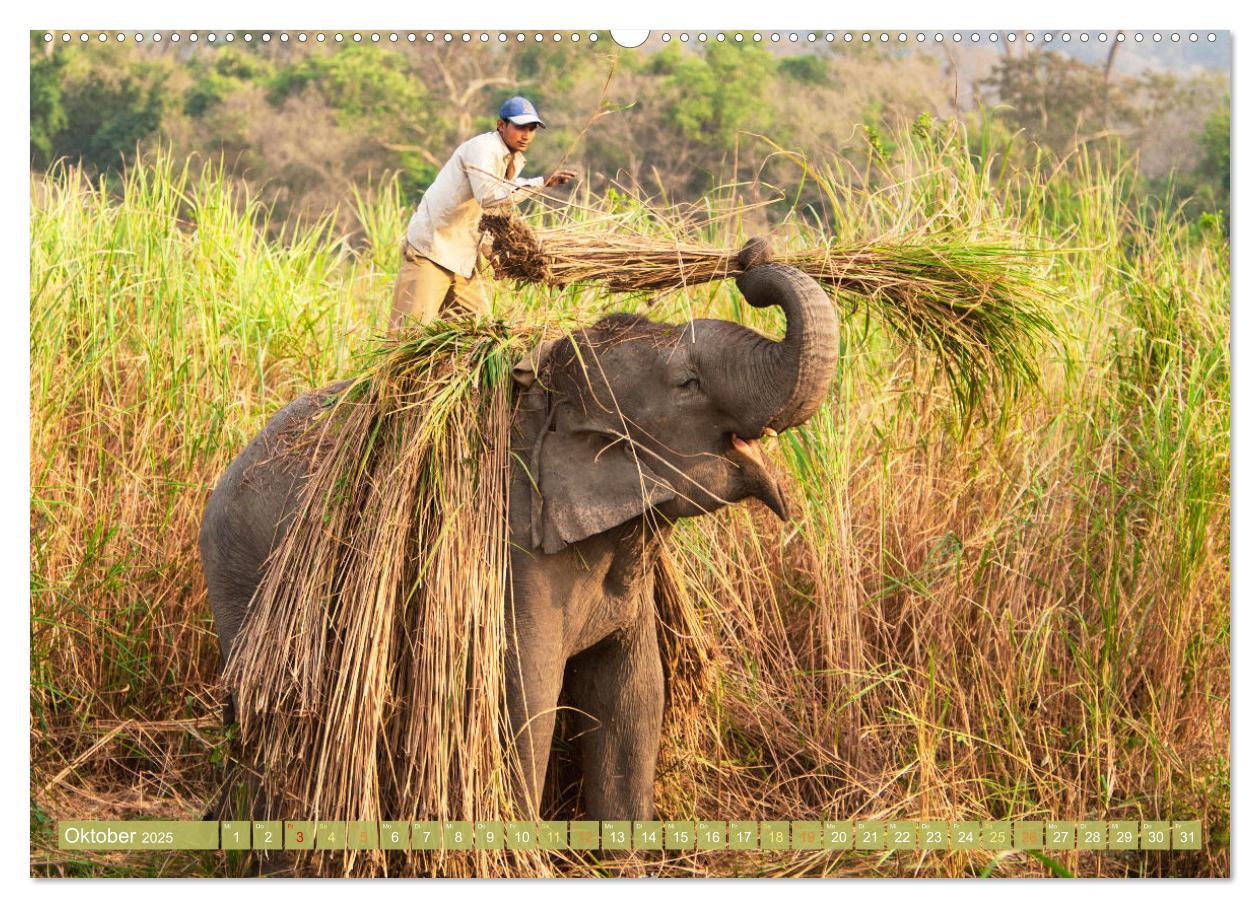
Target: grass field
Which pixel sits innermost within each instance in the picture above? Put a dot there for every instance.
(1028, 618)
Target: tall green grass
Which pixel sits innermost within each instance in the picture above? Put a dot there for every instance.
(1029, 618)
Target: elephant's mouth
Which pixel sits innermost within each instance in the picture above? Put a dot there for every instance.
(761, 485)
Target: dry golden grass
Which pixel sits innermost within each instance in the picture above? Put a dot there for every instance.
(1029, 619)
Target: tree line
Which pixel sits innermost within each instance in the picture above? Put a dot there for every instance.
(303, 124)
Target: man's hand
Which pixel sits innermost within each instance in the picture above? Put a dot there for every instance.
(560, 177)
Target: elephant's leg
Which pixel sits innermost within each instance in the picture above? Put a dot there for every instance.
(535, 672)
(619, 688)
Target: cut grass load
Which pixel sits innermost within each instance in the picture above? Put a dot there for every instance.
(978, 308)
(369, 672)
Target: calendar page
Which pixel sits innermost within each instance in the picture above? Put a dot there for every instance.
(518, 452)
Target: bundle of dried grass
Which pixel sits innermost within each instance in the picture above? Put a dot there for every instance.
(977, 307)
(369, 674)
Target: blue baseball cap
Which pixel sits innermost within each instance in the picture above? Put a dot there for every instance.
(518, 110)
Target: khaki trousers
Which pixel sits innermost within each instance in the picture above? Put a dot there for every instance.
(426, 290)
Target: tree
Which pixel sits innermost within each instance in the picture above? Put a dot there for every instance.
(110, 102)
(1213, 169)
(48, 114)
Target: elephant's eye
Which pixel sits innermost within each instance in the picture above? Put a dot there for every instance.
(691, 384)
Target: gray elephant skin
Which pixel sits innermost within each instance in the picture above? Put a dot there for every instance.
(626, 427)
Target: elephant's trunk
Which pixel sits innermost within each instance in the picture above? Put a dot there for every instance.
(776, 385)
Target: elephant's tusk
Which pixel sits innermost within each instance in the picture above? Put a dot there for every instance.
(767, 431)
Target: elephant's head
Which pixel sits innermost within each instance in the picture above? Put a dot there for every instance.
(642, 417)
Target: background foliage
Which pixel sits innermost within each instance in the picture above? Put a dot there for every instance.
(304, 123)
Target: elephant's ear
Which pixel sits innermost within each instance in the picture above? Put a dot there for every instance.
(590, 482)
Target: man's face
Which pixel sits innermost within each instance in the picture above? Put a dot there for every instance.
(516, 137)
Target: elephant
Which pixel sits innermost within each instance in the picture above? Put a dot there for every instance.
(619, 430)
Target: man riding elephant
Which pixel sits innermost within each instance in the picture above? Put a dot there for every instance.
(439, 270)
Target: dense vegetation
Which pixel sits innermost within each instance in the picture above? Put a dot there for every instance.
(304, 124)
(1026, 619)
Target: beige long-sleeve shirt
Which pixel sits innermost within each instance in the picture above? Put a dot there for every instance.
(444, 226)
